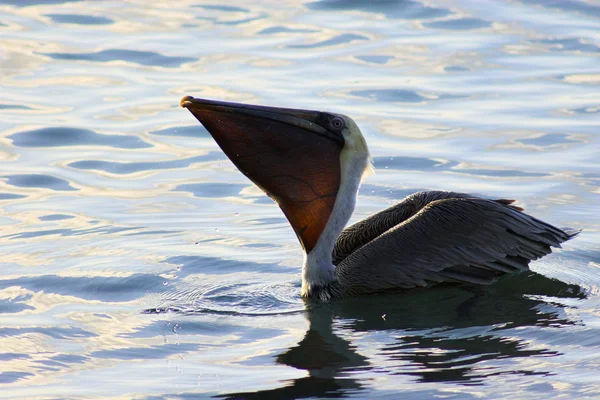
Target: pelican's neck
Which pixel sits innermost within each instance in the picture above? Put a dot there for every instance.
(318, 268)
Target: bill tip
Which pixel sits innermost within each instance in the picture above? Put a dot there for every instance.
(185, 101)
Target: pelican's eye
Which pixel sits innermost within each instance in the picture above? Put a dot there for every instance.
(337, 123)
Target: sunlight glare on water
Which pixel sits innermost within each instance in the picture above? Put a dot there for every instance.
(139, 263)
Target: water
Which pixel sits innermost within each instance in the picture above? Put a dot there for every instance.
(137, 262)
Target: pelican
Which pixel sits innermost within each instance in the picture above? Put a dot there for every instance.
(311, 164)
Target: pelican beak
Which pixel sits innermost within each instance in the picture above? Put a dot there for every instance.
(292, 155)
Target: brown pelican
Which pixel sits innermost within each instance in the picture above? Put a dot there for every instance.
(311, 164)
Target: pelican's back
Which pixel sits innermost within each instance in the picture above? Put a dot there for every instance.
(433, 237)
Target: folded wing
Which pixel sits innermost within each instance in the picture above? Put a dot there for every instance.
(453, 238)
(362, 232)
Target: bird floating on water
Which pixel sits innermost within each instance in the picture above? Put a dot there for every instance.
(311, 164)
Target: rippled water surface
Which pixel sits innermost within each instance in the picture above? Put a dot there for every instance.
(137, 262)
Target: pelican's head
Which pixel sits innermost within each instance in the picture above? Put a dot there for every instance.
(304, 160)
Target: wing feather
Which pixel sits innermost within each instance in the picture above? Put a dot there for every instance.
(364, 231)
(458, 239)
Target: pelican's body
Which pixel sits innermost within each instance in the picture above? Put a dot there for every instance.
(311, 163)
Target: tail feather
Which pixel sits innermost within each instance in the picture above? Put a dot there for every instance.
(571, 233)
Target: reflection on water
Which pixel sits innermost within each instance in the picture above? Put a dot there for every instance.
(450, 335)
(130, 246)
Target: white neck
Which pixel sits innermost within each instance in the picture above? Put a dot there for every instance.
(318, 268)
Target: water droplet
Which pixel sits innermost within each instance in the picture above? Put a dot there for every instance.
(237, 214)
(165, 283)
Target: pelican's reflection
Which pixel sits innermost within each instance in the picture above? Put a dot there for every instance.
(437, 335)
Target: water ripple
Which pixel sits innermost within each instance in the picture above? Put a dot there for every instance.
(334, 41)
(14, 106)
(53, 332)
(79, 19)
(213, 189)
(582, 7)
(412, 163)
(38, 181)
(283, 29)
(402, 9)
(227, 11)
(549, 140)
(149, 58)
(27, 3)
(106, 289)
(13, 376)
(55, 217)
(402, 95)
(65, 136)
(459, 24)
(195, 131)
(568, 44)
(375, 59)
(224, 8)
(11, 196)
(147, 353)
(124, 168)
(67, 232)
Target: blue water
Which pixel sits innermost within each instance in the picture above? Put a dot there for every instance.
(138, 263)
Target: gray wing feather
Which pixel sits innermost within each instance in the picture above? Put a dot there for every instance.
(457, 239)
(364, 231)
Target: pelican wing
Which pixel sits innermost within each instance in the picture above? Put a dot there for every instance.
(456, 239)
(362, 232)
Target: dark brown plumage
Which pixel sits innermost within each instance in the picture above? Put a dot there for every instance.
(434, 237)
